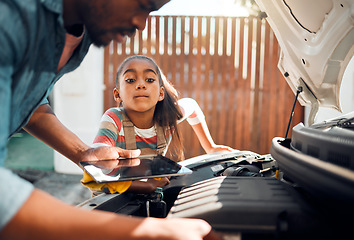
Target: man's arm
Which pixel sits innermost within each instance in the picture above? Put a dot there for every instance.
(45, 126)
(44, 217)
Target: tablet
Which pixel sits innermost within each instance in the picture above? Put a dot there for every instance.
(149, 167)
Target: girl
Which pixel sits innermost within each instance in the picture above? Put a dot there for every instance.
(146, 118)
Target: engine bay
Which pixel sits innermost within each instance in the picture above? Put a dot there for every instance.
(243, 195)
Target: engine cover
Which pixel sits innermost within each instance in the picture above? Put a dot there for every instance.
(247, 205)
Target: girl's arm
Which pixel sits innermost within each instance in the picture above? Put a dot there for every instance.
(202, 131)
(195, 117)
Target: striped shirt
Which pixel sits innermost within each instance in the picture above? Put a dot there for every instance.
(111, 130)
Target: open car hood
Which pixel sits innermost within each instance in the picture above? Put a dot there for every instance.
(317, 42)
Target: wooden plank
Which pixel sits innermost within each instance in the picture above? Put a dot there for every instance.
(198, 81)
(124, 52)
(157, 44)
(231, 99)
(190, 84)
(256, 117)
(183, 58)
(106, 76)
(183, 80)
(240, 91)
(174, 48)
(165, 57)
(266, 96)
(140, 42)
(189, 135)
(283, 111)
(207, 100)
(132, 45)
(273, 127)
(223, 84)
(215, 106)
(247, 111)
(148, 40)
(115, 64)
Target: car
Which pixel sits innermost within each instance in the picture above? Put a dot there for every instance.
(302, 189)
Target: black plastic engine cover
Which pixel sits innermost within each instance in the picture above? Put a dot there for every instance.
(247, 205)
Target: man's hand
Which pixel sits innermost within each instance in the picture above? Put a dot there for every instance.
(174, 228)
(111, 157)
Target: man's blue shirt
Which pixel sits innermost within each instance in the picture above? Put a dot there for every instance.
(32, 38)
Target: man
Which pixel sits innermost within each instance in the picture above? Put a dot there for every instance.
(40, 41)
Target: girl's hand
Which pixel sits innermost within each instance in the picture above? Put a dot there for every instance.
(219, 148)
(158, 183)
(148, 186)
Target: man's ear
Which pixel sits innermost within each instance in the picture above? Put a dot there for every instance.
(116, 96)
(162, 94)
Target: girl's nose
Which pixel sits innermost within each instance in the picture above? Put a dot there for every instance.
(140, 85)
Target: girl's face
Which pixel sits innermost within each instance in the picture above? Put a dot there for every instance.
(139, 86)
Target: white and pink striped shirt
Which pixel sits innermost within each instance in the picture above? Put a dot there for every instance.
(111, 130)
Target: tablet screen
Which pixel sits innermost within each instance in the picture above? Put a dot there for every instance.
(149, 167)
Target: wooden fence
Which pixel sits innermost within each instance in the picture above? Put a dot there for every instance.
(228, 65)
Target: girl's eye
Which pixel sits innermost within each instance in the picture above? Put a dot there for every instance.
(130, 80)
(150, 80)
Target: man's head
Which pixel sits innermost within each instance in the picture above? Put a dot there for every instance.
(107, 20)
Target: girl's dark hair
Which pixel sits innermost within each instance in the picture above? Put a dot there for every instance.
(167, 111)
